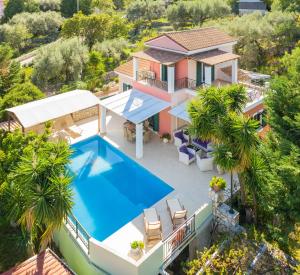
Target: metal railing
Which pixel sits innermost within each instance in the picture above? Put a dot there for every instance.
(78, 229)
(178, 239)
(153, 81)
(186, 83)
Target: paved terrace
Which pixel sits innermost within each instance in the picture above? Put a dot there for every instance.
(190, 185)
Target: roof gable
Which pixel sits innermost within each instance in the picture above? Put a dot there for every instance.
(192, 40)
(165, 42)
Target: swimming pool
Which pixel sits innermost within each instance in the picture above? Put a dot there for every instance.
(110, 189)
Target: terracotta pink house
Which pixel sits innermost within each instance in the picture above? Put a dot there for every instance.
(175, 64)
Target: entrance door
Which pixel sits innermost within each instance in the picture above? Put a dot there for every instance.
(207, 72)
(154, 122)
(199, 74)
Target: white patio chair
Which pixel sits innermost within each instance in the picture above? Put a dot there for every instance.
(186, 155)
(204, 163)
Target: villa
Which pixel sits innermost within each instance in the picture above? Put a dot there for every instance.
(129, 184)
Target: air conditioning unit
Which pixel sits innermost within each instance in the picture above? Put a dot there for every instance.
(148, 74)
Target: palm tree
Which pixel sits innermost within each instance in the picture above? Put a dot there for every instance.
(44, 196)
(227, 159)
(255, 177)
(216, 115)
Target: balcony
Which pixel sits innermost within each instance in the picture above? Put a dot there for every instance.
(148, 78)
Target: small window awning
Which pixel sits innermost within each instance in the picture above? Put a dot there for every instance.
(46, 109)
(214, 57)
(134, 105)
(180, 111)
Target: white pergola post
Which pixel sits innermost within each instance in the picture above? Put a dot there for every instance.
(135, 69)
(139, 140)
(103, 120)
(234, 77)
(171, 79)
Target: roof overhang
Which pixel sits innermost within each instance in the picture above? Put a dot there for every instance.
(180, 111)
(159, 56)
(214, 57)
(134, 105)
(46, 109)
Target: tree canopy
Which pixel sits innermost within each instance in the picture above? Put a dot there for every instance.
(35, 190)
(60, 64)
(183, 13)
(95, 28)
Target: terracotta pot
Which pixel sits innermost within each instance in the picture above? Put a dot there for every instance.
(216, 188)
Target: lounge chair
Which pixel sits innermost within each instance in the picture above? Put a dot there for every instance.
(177, 212)
(204, 145)
(179, 138)
(152, 224)
(186, 155)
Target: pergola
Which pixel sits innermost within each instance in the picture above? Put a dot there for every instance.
(40, 111)
(134, 106)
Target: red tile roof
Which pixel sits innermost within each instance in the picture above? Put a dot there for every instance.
(44, 263)
(201, 38)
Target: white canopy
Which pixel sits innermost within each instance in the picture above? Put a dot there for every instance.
(134, 105)
(43, 110)
(180, 111)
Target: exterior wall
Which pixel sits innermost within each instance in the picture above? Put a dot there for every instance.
(155, 67)
(124, 79)
(165, 122)
(181, 69)
(192, 69)
(254, 110)
(228, 49)
(73, 254)
(221, 75)
(152, 91)
(166, 43)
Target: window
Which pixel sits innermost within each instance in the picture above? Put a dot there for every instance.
(261, 118)
(164, 73)
(126, 87)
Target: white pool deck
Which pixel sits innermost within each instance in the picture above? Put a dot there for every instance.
(190, 185)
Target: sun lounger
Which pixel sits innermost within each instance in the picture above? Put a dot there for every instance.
(152, 224)
(177, 212)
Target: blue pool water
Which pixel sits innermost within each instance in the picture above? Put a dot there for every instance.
(110, 189)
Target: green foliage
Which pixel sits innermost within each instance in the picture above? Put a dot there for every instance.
(10, 71)
(94, 70)
(137, 244)
(286, 5)
(104, 6)
(40, 23)
(35, 184)
(147, 10)
(17, 6)
(113, 52)
(69, 7)
(218, 182)
(19, 94)
(233, 134)
(183, 13)
(95, 28)
(262, 39)
(49, 5)
(60, 64)
(284, 109)
(16, 36)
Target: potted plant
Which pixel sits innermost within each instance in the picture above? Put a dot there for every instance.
(166, 137)
(137, 247)
(217, 184)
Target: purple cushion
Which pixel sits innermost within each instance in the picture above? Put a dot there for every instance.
(180, 136)
(200, 143)
(183, 149)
